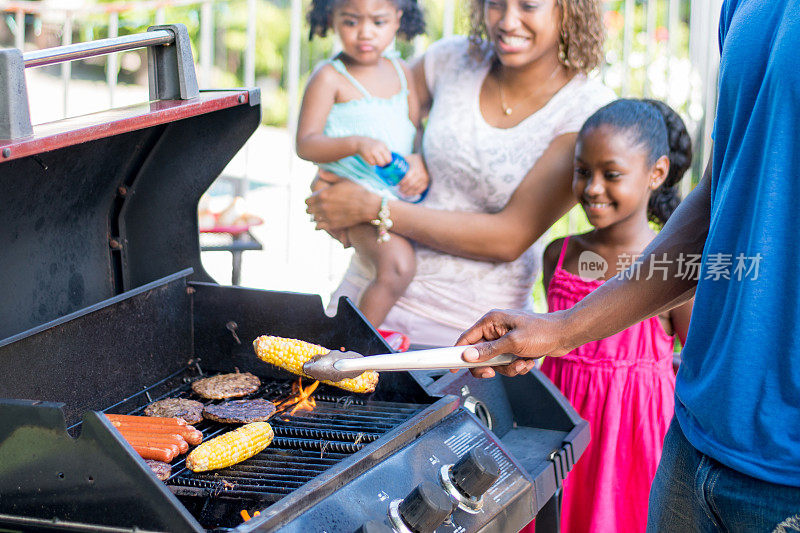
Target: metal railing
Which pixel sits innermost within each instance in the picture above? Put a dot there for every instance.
(113, 11)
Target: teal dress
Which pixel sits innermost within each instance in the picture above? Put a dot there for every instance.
(383, 119)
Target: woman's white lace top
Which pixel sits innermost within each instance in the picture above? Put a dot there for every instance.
(476, 167)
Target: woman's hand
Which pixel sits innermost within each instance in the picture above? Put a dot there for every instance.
(528, 336)
(323, 180)
(416, 179)
(373, 152)
(342, 205)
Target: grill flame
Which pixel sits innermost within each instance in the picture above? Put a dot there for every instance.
(300, 398)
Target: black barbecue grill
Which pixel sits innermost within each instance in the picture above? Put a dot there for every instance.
(106, 308)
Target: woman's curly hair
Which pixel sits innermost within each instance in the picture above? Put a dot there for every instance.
(582, 32)
(412, 22)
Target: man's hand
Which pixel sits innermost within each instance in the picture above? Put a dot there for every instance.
(529, 336)
(373, 152)
(416, 179)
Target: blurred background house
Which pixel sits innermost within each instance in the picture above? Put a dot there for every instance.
(665, 49)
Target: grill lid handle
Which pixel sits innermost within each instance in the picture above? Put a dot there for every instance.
(170, 69)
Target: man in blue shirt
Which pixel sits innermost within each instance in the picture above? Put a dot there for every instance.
(731, 458)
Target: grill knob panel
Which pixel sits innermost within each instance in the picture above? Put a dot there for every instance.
(374, 526)
(425, 508)
(474, 473)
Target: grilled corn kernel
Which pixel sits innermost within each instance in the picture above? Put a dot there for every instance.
(291, 354)
(230, 448)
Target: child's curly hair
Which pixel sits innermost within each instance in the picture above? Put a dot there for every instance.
(412, 22)
(582, 33)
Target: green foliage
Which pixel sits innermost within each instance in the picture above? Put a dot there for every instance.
(272, 37)
(657, 67)
(275, 107)
(272, 44)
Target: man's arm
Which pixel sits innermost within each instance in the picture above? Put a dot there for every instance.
(614, 306)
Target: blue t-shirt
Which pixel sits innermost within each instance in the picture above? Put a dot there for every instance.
(738, 389)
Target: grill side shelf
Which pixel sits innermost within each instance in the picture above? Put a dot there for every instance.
(96, 478)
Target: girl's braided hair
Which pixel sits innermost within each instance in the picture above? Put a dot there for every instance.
(657, 127)
(664, 200)
(412, 22)
(582, 32)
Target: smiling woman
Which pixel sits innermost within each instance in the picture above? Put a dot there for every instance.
(504, 107)
(580, 29)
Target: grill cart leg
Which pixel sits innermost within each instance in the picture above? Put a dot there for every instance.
(549, 518)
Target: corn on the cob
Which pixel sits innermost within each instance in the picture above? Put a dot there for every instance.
(291, 354)
(230, 448)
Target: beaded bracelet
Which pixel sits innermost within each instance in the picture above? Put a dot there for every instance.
(383, 222)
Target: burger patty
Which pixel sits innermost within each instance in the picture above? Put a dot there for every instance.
(160, 469)
(240, 411)
(226, 386)
(189, 410)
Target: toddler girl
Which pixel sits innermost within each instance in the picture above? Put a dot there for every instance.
(629, 157)
(358, 108)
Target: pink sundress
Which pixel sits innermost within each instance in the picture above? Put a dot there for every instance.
(624, 386)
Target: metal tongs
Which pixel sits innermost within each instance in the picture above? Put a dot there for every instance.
(336, 365)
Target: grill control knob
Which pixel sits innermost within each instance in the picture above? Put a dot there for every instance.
(425, 508)
(474, 473)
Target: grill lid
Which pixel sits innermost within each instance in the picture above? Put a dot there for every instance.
(94, 206)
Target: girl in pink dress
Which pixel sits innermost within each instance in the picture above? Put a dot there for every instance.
(629, 158)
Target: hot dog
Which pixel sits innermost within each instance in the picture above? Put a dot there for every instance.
(192, 436)
(157, 453)
(153, 420)
(188, 433)
(156, 439)
(150, 443)
(142, 424)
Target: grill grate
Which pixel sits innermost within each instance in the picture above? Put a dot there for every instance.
(275, 471)
(327, 434)
(306, 444)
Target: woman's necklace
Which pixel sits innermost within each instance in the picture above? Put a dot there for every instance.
(507, 110)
